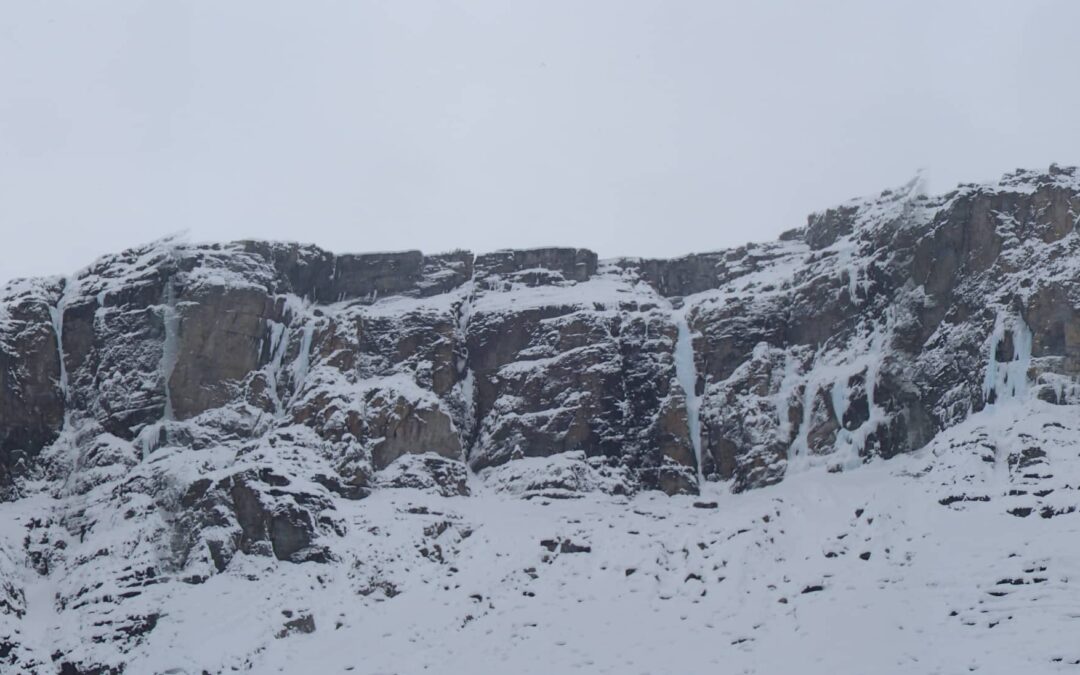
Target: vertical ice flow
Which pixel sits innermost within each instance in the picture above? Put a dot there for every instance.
(171, 347)
(686, 373)
(303, 358)
(57, 314)
(1008, 380)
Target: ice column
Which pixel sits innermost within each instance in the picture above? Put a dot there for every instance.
(686, 373)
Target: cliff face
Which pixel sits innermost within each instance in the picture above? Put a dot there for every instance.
(881, 323)
(223, 399)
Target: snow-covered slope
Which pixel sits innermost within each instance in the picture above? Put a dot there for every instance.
(958, 558)
(851, 450)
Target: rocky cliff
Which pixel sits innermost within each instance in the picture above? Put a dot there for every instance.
(176, 408)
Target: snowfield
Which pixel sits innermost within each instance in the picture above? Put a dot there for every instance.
(960, 558)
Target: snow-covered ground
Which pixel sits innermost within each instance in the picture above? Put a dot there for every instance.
(922, 564)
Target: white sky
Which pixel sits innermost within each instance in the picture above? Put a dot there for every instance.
(633, 128)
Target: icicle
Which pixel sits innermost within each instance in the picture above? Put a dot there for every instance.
(840, 399)
(57, 314)
(464, 314)
(783, 400)
(278, 345)
(171, 347)
(466, 385)
(686, 374)
(850, 442)
(303, 359)
(800, 447)
(170, 352)
(846, 266)
(1008, 380)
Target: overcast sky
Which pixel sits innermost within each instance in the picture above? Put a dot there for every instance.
(633, 128)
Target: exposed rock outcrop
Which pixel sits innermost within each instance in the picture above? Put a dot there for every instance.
(31, 387)
(862, 334)
(222, 398)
